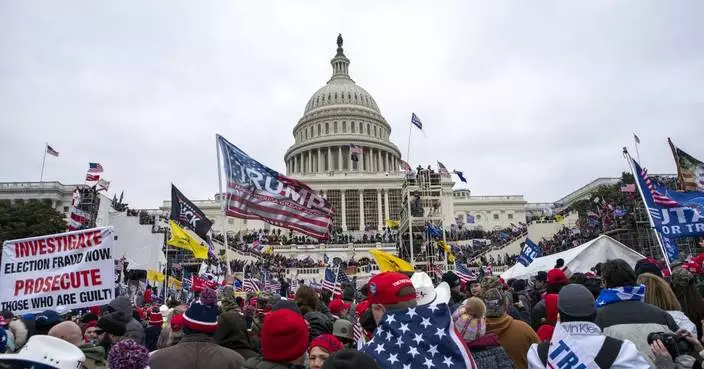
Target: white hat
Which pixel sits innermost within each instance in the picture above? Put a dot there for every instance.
(426, 293)
(50, 351)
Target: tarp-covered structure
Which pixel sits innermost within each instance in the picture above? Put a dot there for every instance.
(136, 242)
(577, 260)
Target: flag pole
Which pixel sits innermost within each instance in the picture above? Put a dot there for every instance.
(637, 142)
(41, 176)
(222, 205)
(408, 149)
(647, 210)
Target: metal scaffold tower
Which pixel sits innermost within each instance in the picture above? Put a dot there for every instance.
(421, 213)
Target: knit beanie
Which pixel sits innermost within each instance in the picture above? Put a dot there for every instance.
(469, 319)
(202, 315)
(451, 278)
(89, 317)
(284, 336)
(156, 319)
(350, 359)
(327, 342)
(127, 354)
(113, 323)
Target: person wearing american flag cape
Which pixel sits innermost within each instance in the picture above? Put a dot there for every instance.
(409, 335)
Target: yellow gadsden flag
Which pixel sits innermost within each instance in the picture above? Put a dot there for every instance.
(175, 283)
(153, 275)
(390, 263)
(181, 239)
(393, 224)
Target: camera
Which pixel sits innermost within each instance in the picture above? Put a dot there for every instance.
(675, 345)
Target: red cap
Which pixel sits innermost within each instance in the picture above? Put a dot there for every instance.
(156, 319)
(177, 322)
(95, 310)
(557, 276)
(336, 306)
(385, 288)
(361, 307)
(327, 342)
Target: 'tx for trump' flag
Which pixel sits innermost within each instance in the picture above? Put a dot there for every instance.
(187, 214)
(422, 337)
(255, 191)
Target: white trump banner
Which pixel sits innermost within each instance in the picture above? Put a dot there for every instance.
(70, 270)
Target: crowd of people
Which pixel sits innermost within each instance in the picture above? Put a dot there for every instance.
(616, 316)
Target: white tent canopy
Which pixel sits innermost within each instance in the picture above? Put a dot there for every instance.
(577, 260)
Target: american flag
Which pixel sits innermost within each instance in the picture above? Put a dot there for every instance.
(358, 332)
(271, 284)
(330, 284)
(443, 170)
(416, 121)
(92, 177)
(658, 197)
(250, 285)
(354, 149)
(628, 188)
(51, 151)
(436, 269)
(422, 337)
(187, 283)
(95, 168)
(255, 191)
(464, 273)
(406, 167)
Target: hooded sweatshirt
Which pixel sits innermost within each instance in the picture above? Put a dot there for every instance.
(232, 331)
(135, 330)
(515, 336)
(95, 356)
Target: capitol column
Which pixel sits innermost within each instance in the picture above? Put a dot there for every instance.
(310, 161)
(360, 163)
(386, 161)
(361, 210)
(343, 214)
(339, 158)
(378, 209)
(386, 204)
(329, 161)
(319, 166)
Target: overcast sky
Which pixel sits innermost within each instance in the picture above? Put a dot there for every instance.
(533, 98)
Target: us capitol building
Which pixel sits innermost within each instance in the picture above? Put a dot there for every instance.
(364, 192)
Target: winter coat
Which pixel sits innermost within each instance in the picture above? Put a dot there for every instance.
(232, 333)
(135, 330)
(95, 356)
(196, 351)
(319, 323)
(151, 337)
(633, 321)
(515, 337)
(683, 321)
(488, 353)
(259, 363)
(537, 314)
(590, 341)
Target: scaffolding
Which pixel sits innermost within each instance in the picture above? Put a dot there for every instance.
(88, 203)
(421, 206)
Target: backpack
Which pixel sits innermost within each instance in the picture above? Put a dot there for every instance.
(604, 358)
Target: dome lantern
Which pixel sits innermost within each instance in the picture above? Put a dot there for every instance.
(340, 63)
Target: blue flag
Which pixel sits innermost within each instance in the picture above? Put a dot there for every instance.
(419, 338)
(670, 248)
(433, 230)
(470, 218)
(674, 214)
(461, 176)
(530, 252)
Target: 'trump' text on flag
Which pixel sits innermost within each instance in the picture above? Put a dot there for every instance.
(255, 191)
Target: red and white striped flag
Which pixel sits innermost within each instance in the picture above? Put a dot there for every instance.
(92, 177)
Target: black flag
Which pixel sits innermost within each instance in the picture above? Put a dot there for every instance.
(186, 214)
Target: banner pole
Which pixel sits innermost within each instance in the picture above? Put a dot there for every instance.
(41, 176)
(222, 206)
(645, 204)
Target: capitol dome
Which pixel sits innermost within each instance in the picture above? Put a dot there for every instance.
(342, 130)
